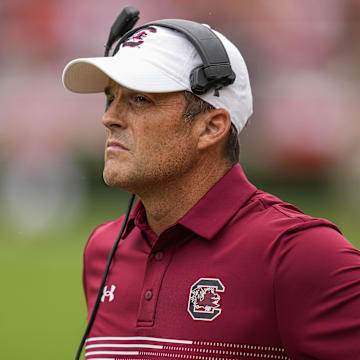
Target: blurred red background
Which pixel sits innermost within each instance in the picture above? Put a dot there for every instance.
(302, 57)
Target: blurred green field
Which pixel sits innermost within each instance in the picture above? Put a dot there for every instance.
(42, 304)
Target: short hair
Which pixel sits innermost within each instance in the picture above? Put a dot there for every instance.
(194, 106)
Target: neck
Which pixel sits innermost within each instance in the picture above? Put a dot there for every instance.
(166, 203)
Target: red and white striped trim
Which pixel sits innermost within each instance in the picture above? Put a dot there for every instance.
(139, 338)
(151, 348)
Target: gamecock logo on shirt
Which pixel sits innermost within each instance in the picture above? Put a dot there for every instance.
(204, 299)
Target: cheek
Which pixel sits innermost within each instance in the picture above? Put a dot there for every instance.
(163, 140)
(167, 150)
(149, 139)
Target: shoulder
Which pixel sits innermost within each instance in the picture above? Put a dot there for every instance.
(291, 227)
(270, 206)
(296, 243)
(104, 233)
(283, 236)
(106, 227)
(315, 274)
(266, 218)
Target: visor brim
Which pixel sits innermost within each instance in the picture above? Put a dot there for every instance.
(91, 75)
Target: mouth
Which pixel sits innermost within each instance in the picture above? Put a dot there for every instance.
(113, 145)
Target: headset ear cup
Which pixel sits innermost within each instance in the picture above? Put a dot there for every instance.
(198, 81)
(201, 83)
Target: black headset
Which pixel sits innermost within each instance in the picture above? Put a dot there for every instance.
(214, 73)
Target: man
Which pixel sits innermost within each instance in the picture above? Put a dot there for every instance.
(209, 267)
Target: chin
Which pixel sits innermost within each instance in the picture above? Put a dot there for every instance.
(109, 180)
(117, 179)
(111, 175)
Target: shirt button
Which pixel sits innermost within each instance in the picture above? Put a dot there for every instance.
(159, 255)
(148, 295)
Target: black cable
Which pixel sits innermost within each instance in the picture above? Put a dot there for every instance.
(101, 289)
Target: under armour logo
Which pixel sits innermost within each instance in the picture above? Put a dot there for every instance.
(109, 293)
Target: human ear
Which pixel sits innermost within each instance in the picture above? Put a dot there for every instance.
(215, 125)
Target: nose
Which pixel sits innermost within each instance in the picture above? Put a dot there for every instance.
(114, 116)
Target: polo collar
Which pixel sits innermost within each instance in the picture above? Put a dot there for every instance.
(211, 213)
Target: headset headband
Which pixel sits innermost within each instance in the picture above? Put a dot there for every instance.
(216, 71)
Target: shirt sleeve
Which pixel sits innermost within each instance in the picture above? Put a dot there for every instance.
(85, 268)
(317, 295)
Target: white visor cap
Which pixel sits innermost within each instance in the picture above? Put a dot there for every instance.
(159, 60)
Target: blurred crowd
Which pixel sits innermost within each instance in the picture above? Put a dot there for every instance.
(303, 57)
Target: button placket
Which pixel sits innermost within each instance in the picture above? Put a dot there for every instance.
(155, 270)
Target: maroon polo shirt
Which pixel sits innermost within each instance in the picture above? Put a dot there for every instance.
(242, 275)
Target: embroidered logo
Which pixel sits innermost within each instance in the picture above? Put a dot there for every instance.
(138, 38)
(108, 293)
(204, 299)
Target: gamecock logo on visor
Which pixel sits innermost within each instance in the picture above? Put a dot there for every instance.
(138, 38)
(204, 299)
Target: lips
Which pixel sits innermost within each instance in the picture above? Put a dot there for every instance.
(115, 145)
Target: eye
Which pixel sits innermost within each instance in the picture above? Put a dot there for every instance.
(140, 99)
